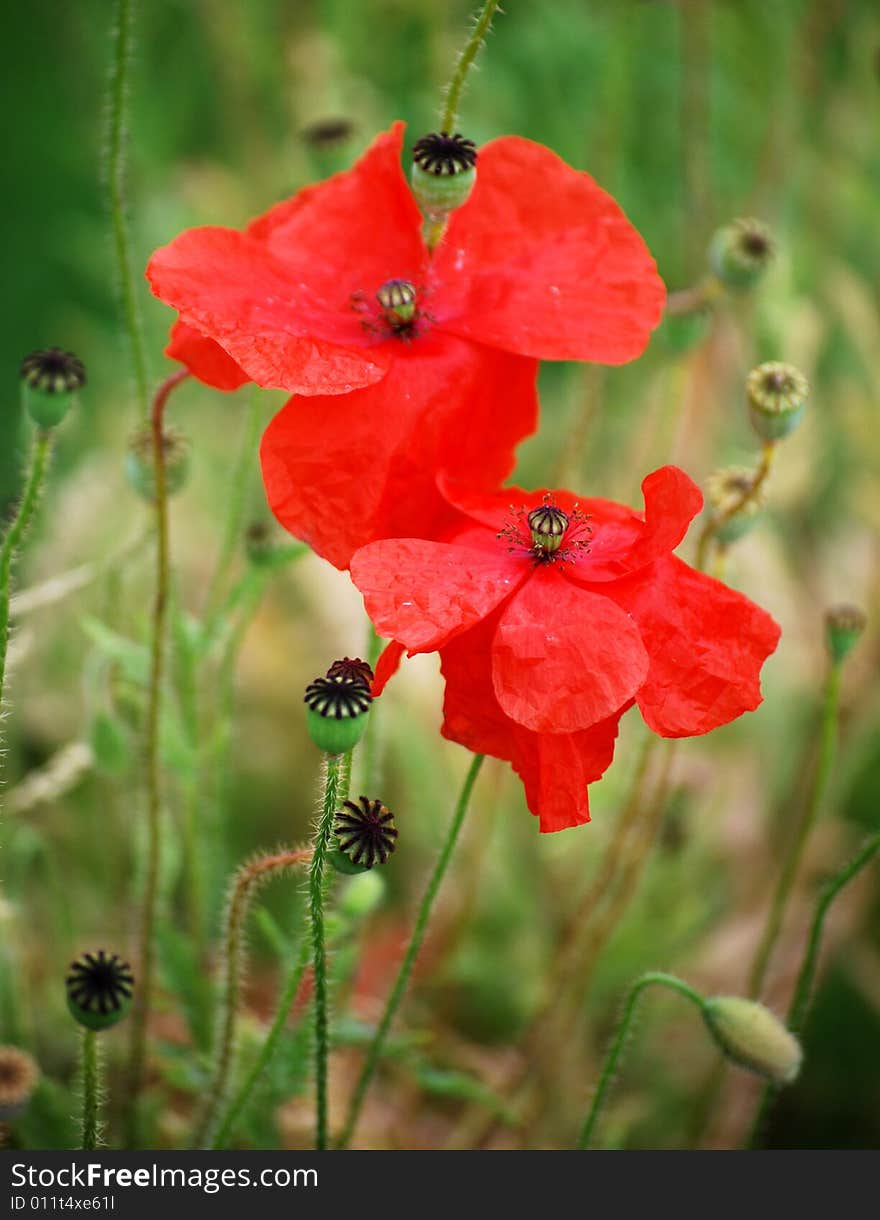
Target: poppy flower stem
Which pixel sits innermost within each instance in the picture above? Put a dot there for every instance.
(821, 780)
(615, 1050)
(15, 532)
(335, 787)
(719, 519)
(91, 1089)
(245, 883)
(420, 926)
(116, 180)
(466, 58)
(800, 1002)
(141, 1006)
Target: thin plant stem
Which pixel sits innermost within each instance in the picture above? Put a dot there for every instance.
(16, 530)
(417, 937)
(141, 1006)
(615, 1050)
(116, 176)
(245, 884)
(819, 788)
(237, 499)
(800, 1002)
(699, 296)
(334, 774)
(91, 1089)
(462, 67)
(715, 522)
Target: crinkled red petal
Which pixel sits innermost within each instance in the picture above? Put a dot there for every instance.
(204, 358)
(564, 658)
(706, 645)
(346, 470)
(543, 262)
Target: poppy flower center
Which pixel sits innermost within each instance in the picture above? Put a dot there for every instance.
(398, 301)
(392, 312)
(546, 533)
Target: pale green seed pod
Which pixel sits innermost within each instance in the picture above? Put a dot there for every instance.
(362, 894)
(336, 713)
(777, 397)
(725, 488)
(843, 626)
(50, 380)
(753, 1037)
(140, 470)
(741, 252)
(99, 989)
(443, 173)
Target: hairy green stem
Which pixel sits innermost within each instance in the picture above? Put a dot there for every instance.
(91, 1089)
(800, 1003)
(39, 460)
(412, 951)
(824, 766)
(612, 1058)
(462, 67)
(335, 771)
(116, 181)
(245, 883)
(142, 999)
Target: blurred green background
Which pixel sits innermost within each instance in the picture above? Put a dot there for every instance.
(690, 113)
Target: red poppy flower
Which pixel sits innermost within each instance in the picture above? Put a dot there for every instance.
(551, 620)
(334, 292)
(204, 358)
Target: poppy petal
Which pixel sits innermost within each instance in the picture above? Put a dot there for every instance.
(564, 658)
(543, 262)
(346, 470)
(424, 593)
(204, 358)
(706, 645)
(387, 666)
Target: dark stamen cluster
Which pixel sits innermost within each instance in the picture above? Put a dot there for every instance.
(53, 371)
(99, 984)
(444, 155)
(546, 533)
(366, 832)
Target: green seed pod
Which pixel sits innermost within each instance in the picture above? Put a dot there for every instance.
(752, 1036)
(725, 488)
(741, 252)
(336, 713)
(398, 301)
(50, 380)
(99, 989)
(777, 396)
(443, 173)
(366, 832)
(362, 895)
(547, 525)
(843, 626)
(140, 470)
(19, 1076)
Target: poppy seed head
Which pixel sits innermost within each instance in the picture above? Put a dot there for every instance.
(444, 155)
(366, 832)
(99, 989)
(53, 371)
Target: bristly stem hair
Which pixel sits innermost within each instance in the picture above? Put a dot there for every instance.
(91, 1090)
(453, 93)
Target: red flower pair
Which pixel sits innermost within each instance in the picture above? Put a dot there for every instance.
(413, 380)
(539, 263)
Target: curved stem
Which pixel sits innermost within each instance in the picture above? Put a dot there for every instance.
(141, 1006)
(465, 59)
(245, 884)
(827, 743)
(800, 1003)
(334, 773)
(612, 1058)
(42, 448)
(91, 1089)
(717, 520)
(412, 951)
(116, 182)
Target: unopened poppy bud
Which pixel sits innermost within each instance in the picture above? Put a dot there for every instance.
(398, 301)
(741, 252)
(443, 173)
(336, 713)
(18, 1079)
(752, 1036)
(547, 525)
(777, 395)
(843, 626)
(50, 380)
(99, 989)
(726, 488)
(140, 468)
(365, 832)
